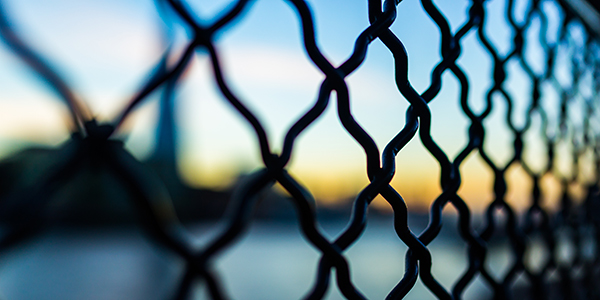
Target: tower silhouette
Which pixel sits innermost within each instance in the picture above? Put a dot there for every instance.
(164, 157)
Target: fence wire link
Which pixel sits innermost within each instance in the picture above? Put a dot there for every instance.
(571, 123)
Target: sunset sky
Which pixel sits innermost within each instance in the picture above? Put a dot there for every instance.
(105, 50)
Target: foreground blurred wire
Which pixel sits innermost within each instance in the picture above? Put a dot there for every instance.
(92, 143)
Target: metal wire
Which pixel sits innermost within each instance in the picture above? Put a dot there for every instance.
(90, 143)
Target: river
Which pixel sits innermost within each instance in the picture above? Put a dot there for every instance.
(271, 261)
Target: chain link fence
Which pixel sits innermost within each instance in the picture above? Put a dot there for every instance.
(567, 128)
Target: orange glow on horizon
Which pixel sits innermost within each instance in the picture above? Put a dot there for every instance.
(419, 187)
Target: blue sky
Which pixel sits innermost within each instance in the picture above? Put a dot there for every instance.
(105, 49)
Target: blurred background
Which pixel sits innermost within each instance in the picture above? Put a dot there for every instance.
(201, 148)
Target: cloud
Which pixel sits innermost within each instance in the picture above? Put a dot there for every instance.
(271, 67)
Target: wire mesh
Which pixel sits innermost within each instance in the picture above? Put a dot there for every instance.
(567, 128)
